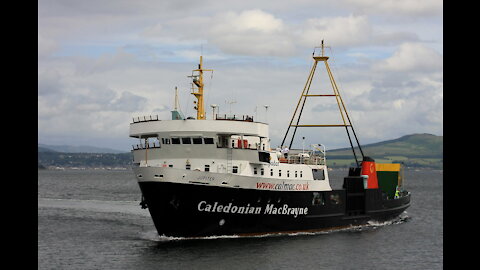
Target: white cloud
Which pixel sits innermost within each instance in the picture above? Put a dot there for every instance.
(248, 21)
(399, 8)
(249, 32)
(414, 57)
(337, 31)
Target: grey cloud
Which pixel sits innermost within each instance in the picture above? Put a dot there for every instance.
(49, 83)
(392, 39)
(128, 102)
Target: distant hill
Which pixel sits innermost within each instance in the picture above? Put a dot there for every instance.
(84, 160)
(43, 149)
(76, 149)
(416, 150)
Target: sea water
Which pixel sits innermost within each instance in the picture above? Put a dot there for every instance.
(91, 219)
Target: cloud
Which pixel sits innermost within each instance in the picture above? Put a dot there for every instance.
(252, 32)
(250, 21)
(399, 8)
(128, 102)
(349, 31)
(256, 32)
(249, 32)
(414, 57)
(338, 31)
(46, 46)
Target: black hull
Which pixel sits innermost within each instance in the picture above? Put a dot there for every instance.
(185, 210)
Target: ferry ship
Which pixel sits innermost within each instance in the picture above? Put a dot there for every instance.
(212, 177)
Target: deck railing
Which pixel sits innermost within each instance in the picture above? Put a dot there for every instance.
(149, 145)
(145, 118)
(308, 160)
(234, 117)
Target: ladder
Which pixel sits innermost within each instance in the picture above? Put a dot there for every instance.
(229, 160)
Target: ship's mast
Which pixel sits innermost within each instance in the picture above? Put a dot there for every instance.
(341, 106)
(197, 89)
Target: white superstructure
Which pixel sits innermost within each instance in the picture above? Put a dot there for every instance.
(227, 151)
(231, 153)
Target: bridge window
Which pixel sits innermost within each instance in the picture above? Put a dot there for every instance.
(175, 140)
(197, 140)
(208, 140)
(263, 157)
(186, 141)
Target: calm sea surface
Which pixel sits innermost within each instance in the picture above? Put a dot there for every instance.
(92, 220)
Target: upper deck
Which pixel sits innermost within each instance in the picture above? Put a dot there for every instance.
(151, 127)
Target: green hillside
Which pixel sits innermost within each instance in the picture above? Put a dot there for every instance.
(88, 160)
(416, 150)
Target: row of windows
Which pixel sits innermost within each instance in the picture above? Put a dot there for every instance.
(262, 172)
(187, 140)
(207, 168)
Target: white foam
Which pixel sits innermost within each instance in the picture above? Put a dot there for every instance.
(403, 217)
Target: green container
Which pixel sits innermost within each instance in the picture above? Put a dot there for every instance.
(387, 182)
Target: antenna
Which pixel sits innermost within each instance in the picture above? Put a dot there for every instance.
(266, 112)
(303, 145)
(322, 47)
(230, 102)
(176, 99)
(214, 106)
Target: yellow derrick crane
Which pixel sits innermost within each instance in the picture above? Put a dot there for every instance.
(346, 122)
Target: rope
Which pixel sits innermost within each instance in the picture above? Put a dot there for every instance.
(350, 119)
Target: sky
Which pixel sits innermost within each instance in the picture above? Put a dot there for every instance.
(101, 63)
